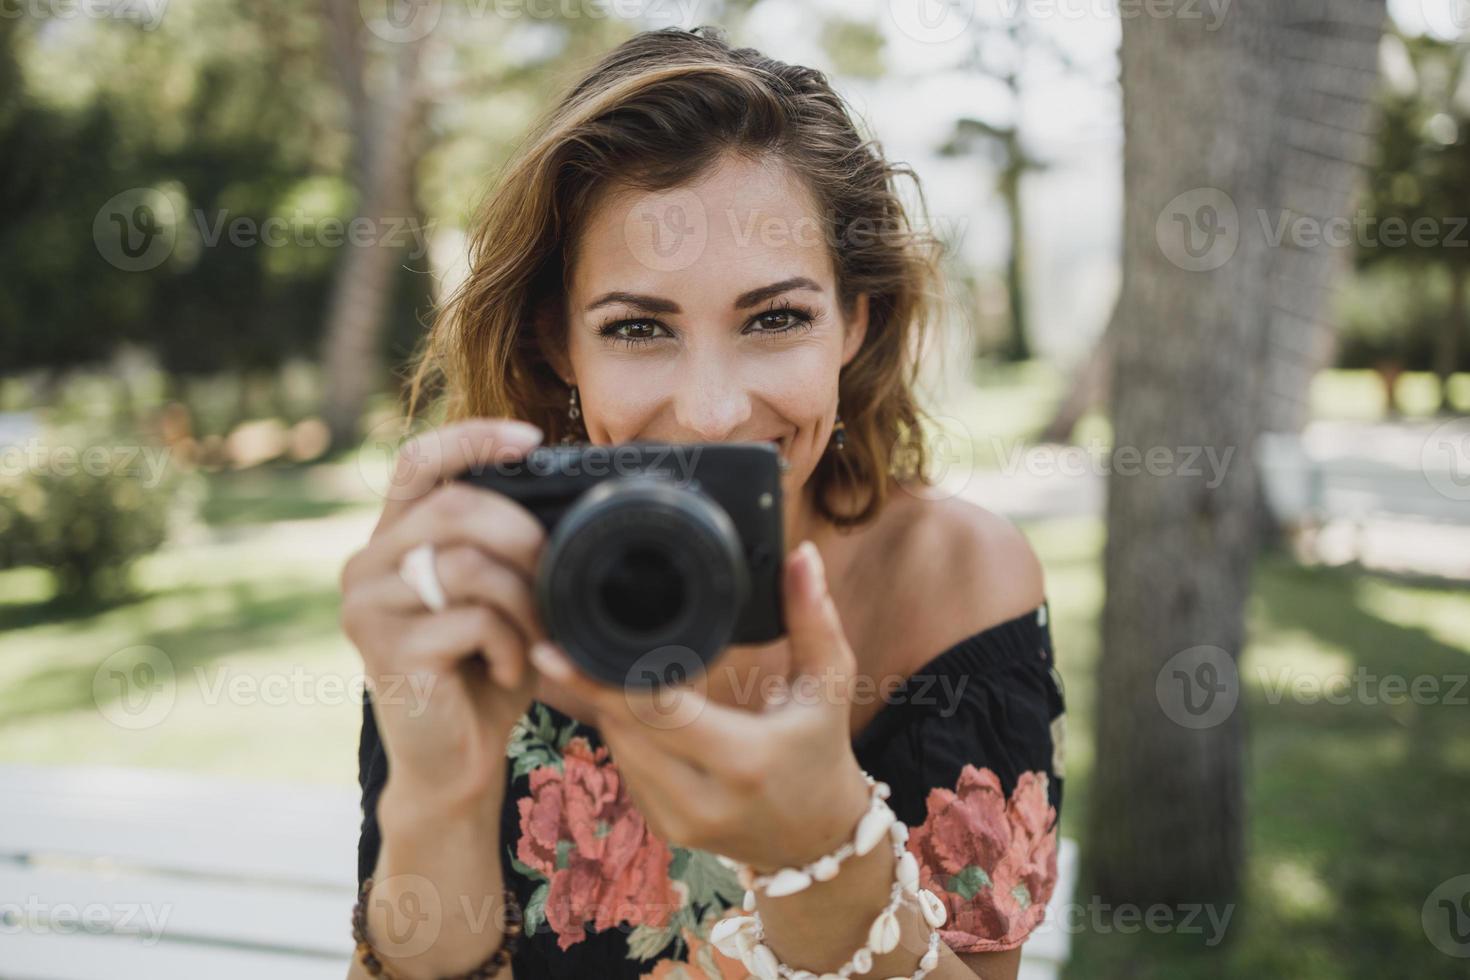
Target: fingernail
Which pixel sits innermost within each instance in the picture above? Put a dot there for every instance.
(548, 661)
(815, 569)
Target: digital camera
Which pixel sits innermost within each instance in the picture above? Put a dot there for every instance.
(658, 555)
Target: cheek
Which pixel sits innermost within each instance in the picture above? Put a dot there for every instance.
(621, 391)
(803, 381)
(800, 389)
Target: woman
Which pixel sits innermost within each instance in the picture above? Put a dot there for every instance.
(697, 246)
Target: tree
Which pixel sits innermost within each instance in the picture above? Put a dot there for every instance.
(1014, 164)
(387, 142)
(1420, 180)
(1004, 50)
(1227, 132)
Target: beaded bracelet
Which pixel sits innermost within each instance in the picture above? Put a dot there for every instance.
(371, 960)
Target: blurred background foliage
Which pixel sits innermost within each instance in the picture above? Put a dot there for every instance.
(220, 362)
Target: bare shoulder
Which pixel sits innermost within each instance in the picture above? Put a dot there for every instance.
(976, 562)
(962, 569)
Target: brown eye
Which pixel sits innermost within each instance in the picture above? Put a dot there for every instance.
(783, 320)
(630, 332)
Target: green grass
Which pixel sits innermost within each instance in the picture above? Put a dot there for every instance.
(240, 627)
(267, 494)
(1357, 811)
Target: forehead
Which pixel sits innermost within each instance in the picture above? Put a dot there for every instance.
(744, 223)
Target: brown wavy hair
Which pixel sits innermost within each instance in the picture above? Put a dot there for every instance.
(655, 113)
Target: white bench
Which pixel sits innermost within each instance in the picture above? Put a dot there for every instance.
(111, 874)
(1324, 475)
(120, 874)
(1389, 496)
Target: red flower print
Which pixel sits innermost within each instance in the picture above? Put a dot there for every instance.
(580, 829)
(992, 861)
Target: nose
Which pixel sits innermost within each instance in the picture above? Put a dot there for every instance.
(711, 403)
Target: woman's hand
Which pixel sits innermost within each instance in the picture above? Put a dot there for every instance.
(773, 789)
(448, 686)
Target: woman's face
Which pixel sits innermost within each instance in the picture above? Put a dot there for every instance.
(708, 313)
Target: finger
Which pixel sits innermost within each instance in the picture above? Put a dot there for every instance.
(468, 576)
(682, 720)
(819, 647)
(458, 513)
(442, 641)
(505, 653)
(439, 454)
(437, 641)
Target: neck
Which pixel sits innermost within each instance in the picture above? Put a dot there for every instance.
(800, 519)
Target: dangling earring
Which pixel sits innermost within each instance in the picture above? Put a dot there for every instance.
(574, 412)
(839, 434)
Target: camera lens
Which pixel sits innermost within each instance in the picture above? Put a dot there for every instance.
(643, 592)
(639, 569)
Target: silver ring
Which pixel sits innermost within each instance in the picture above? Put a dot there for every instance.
(417, 569)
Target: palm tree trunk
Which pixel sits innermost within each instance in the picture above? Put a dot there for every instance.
(1447, 349)
(389, 144)
(1222, 128)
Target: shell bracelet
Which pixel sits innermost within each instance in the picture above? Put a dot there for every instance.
(789, 881)
(741, 937)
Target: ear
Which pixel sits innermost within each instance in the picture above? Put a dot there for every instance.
(857, 329)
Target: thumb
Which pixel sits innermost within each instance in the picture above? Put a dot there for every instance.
(819, 647)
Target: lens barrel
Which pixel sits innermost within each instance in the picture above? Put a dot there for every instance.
(642, 581)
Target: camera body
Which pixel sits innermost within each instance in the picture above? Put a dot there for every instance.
(658, 555)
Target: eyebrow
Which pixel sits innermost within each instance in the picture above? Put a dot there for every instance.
(657, 304)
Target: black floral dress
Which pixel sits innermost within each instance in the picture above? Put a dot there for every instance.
(971, 747)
